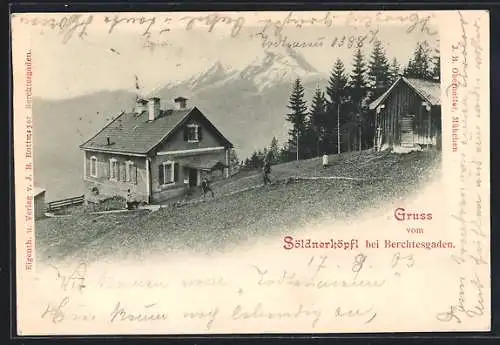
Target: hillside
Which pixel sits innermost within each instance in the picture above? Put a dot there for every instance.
(242, 218)
(248, 105)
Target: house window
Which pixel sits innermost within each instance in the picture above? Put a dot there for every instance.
(128, 171)
(113, 169)
(193, 133)
(93, 166)
(167, 173)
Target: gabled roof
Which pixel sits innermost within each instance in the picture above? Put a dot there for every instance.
(430, 91)
(134, 133)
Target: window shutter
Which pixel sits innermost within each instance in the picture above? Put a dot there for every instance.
(160, 174)
(176, 172)
(186, 133)
(89, 169)
(123, 176)
(200, 133)
(133, 174)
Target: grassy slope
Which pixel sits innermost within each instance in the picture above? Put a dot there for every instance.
(216, 224)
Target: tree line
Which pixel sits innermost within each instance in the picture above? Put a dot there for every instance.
(337, 118)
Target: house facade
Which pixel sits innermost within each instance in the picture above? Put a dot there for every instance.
(155, 153)
(408, 115)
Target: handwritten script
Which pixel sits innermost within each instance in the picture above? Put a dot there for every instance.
(271, 31)
(467, 64)
(319, 272)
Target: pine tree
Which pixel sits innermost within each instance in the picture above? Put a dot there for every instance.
(317, 113)
(358, 78)
(337, 84)
(358, 88)
(436, 69)
(337, 94)
(378, 69)
(246, 163)
(285, 154)
(358, 82)
(254, 160)
(419, 65)
(274, 151)
(394, 70)
(297, 115)
(317, 121)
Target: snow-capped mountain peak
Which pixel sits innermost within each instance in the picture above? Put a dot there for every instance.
(273, 67)
(211, 75)
(278, 66)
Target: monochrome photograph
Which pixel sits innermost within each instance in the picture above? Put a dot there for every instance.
(277, 129)
(196, 143)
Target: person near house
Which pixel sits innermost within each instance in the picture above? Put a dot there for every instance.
(205, 187)
(187, 188)
(325, 161)
(266, 169)
(130, 200)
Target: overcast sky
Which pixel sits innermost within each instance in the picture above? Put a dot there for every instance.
(108, 61)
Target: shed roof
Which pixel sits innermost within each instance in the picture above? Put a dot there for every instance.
(37, 191)
(430, 91)
(134, 133)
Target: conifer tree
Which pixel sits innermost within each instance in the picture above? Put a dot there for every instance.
(246, 163)
(317, 121)
(337, 94)
(378, 69)
(358, 82)
(337, 84)
(358, 74)
(419, 65)
(436, 70)
(274, 151)
(297, 116)
(394, 70)
(358, 87)
(254, 160)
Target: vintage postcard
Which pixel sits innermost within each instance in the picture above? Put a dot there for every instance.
(251, 172)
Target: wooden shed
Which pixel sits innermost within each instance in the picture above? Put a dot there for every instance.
(39, 202)
(408, 115)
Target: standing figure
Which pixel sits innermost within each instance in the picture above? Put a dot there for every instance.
(205, 187)
(325, 160)
(130, 200)
(266, 169)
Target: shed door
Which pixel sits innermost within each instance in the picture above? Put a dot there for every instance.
(407, 138)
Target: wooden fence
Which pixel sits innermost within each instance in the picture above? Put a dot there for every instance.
(58, 204)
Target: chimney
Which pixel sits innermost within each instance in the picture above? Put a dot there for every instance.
(153, 108)
(140, 105)
(107, 141)
(180, 103)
